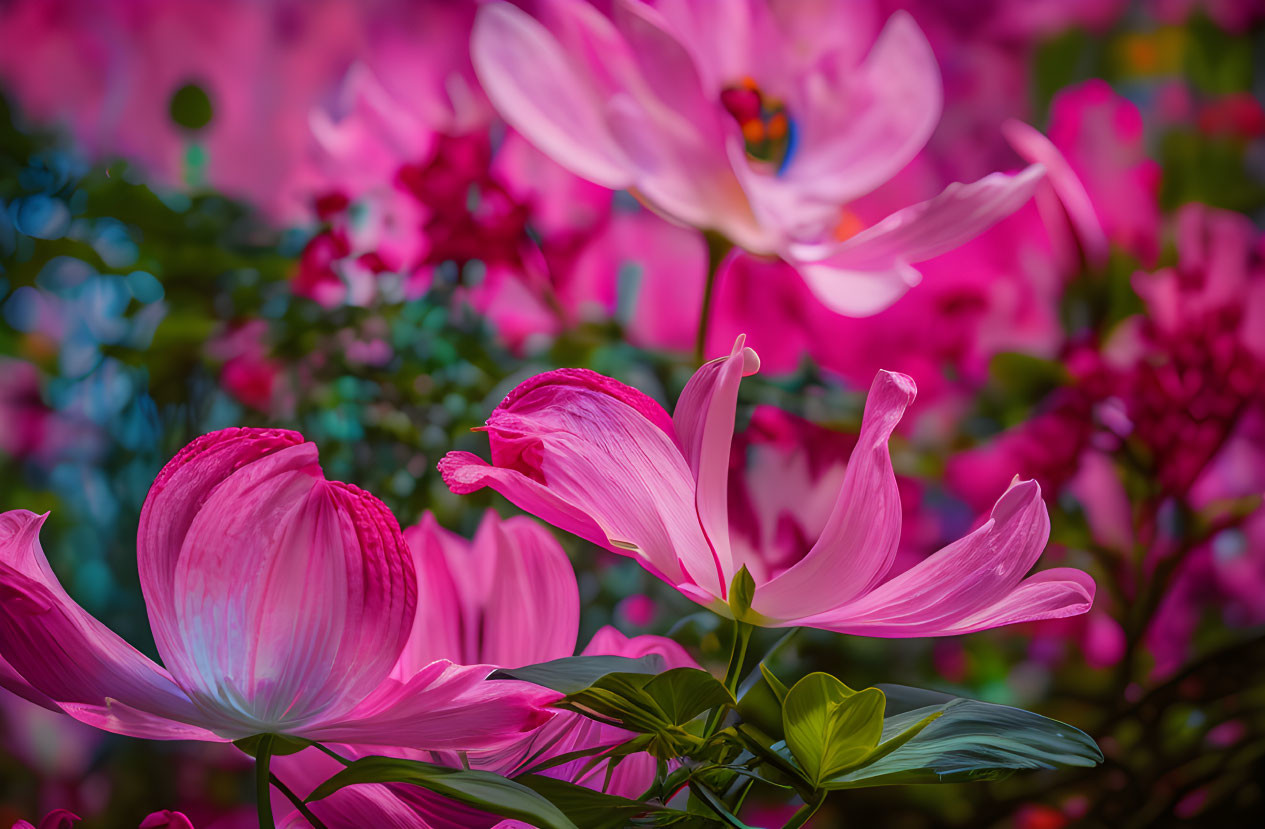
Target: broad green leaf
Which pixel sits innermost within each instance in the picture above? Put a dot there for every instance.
(828, 726)
(480, 789)
(684, 693)
(575, 673)
(969, 740)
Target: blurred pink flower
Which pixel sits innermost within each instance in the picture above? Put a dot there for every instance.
(166, 819)
(109, 69)
(56, 819)
(607, 463)
(765, 138)
(507, 598)
(242, 532)
(1101, 186)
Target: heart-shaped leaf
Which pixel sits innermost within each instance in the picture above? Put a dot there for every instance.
(828, 726)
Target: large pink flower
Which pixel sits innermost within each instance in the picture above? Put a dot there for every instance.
(279, 602)
(760, 121)
(603, 461)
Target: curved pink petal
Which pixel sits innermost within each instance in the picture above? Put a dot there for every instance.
(533, 607)
(1035, 148)
(543, 94)
(857, 545)
(507, 598)
(166, 819)
(704, 421)
(586, 440)
(862, 124)
(441, 707)
(291, 596)
(922, 231)
(438, 627)
(68, 657)
(974, 583)
(179, 491)
(856, 293)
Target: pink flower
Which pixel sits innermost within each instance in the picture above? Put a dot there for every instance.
(508, 598)
(1102, 187)
(166, 819)
(607, 463)
(279, 601)
(760, 122)
(56, 819)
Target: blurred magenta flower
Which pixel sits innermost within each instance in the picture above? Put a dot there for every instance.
(56, 819)
(765, 139)
(1101, 186)
(607, 463)
(279, 602)
(506, 598)
(166, 819)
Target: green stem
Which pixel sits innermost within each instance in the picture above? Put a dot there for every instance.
(717, 247)
(805, 813)
(737, 655)
(263, 781)
(297, 802)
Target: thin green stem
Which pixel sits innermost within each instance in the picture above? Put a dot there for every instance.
(297, 802)
(717, 248)
(737, 655)
(805, 812)
(263, 782)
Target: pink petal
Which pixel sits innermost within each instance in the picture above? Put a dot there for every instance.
(175, 497)
(441, 707)
(704, 420)
(293, 595)
(166, 819)
(508, 598)
(860, 130)
(974, 583)
(1035, 148)
(543, 93)
(857, 293)
(533, 605)
(611, 473)
(68, 657)
(437, 629)
(857, 545)
(883, 253)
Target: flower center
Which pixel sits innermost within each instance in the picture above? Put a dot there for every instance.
(767, 129)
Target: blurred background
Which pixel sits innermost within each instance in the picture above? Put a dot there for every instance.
(306, 214)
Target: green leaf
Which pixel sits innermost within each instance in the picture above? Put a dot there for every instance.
(829, 726)
(575, 673)
(777, 686)
(716, 805)
(685, 693)
(480, 789)
(588, 809)
(969, 740)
